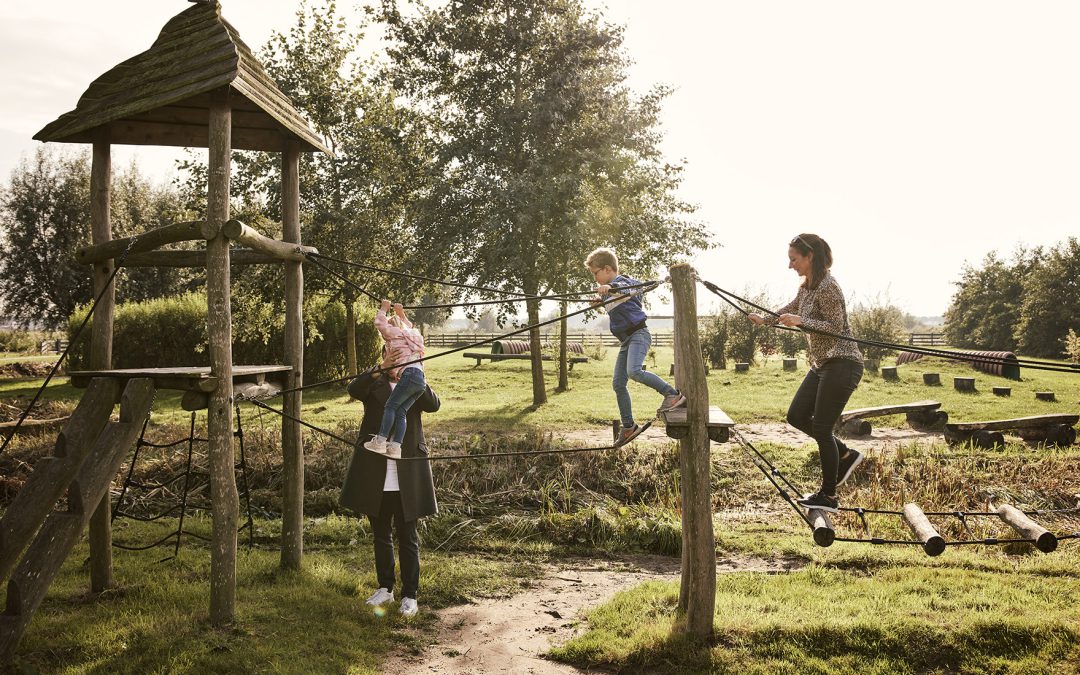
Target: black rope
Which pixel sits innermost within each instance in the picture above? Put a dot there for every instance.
(483, 289)
(375, 370)
(243, 477)
(431, 458)
(925, 351)
(769, 475)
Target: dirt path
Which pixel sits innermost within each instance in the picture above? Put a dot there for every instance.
(768, 432)
(511, 635)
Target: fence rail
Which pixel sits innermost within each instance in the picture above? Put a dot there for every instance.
(665, 339)
(926, 339)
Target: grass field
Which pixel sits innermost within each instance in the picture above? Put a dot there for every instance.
(847, 608)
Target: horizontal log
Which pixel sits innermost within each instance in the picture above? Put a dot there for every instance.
(240, 232)
(933, 543)
(242, 391)
(147, 241)
(238, 256)
(824, 532)
(1027, 528)
(30, 426)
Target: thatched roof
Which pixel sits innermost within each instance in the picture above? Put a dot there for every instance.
(162, 96)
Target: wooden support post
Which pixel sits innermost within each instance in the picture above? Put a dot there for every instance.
(564, 365)
(224, 498)
(101, 337)
(292, 440)
(932, 542)
(1027, 528)
(694, 459)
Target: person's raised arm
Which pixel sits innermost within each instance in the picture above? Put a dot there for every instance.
(400, 311)
(428, 401)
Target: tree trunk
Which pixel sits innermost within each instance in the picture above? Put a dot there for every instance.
(564, 378)
(350, 334)
(539, 388)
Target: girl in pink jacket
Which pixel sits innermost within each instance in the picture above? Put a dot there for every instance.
(404, 344)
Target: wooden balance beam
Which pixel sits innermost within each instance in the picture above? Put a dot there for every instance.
(920, 413)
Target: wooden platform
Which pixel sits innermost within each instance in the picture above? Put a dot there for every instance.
(719, 424)
(1052, 429)
(185, 378)
(922, 413)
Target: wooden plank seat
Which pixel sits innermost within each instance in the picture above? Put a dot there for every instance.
(1050, 429)
(192, 378)
(719, 424)
(480, 356)
(919, 413)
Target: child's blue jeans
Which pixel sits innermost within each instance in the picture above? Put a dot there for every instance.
(409, 388)
(628, 367)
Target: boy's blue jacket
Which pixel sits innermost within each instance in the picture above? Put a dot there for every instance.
(625, 318)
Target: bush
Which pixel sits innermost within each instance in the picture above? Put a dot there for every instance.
(1072, 346)
(791, 343)
(21, 341)
(878, 322)
(714, 340)
(172, 332)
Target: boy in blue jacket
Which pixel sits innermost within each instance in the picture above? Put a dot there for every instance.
(628, 323)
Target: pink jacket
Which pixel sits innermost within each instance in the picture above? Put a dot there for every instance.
(402, 344)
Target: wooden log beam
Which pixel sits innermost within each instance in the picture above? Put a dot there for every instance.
(282, 250)
(238, 256)
(824, 532)
(694, 457)
(292, 439)
(932, 542)
(30, 426)
(147, 241)
(224, 497)
(1027, 528)
(242, 391)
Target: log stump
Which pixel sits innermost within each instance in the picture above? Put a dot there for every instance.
(932, 379)
(1045, 396)
(889, 373)
(791, 364)
(1002, 391)
(964, 383)
(871, 365)
(742, 367)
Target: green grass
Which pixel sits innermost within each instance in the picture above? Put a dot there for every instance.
(313, 620)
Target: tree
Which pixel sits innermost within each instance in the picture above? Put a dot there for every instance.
(985, 310)
(1051, 304)
(544, 153)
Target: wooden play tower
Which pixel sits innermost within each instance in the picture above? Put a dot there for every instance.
(198, 86)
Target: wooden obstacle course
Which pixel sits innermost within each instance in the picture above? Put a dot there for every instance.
(920, 413)
(1052, 429)
(719, 424)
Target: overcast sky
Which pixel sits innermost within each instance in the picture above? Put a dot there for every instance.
(913, 136)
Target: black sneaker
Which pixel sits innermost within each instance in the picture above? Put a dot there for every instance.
(820, 502)
(847, 466)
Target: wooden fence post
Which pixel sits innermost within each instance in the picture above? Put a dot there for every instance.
(292, 440)
(699, 558)
(100, 526)
(224, 499)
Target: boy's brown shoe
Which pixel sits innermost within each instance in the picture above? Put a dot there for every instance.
(676, 400)
(627, 434)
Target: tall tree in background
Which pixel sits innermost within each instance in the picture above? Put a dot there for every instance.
(356, 203)
(45, 219)
(1051, 304)
(544, 152)
(985, 310)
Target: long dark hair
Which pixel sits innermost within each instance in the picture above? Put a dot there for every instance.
(821, 261)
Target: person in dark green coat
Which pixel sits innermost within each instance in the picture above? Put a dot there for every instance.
(388, 491)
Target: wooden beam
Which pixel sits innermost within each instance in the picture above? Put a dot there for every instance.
(283, 250)
(224, 498)
(242, 391)
(292, 440)
(824, 532)
(1044, 540)
(694, 457)
(102, 251)
(932, 542)
(238, 256)
(101, 339)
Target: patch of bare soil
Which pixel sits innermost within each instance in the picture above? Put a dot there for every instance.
(19, 369)
(511, 635)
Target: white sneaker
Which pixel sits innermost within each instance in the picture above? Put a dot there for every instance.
(377, 444)
(408, 607)
(381, 596)
(393, 450)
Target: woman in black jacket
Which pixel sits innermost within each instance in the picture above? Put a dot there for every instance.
(388, 491)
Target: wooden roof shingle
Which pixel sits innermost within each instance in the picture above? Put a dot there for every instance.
(162, 96)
